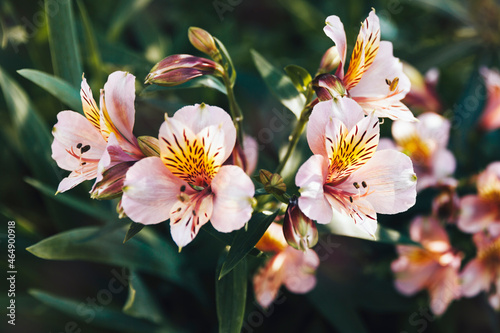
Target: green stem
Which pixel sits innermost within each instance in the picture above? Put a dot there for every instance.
(297, 131)
(234, 108)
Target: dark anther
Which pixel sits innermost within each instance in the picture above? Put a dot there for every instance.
(364, 184)
(183, 188)
(83, 163)
(356, 185)
(85, 149)
(350, 199)
(79, 146)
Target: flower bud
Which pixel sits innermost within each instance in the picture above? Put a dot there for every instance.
(180, 68)
(273, 182)
(120, 211)
(330, 60)
(328, 86)
(111, 185)
(149, 145)
(203, 41)
(446, 205)
(299, 230)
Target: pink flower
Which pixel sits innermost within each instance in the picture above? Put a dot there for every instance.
(375, 78)
(347, 174)
(91, 144)
(490, 119)
(425, 142)
(189, 183)
(434, 266)
(482, 211)
(483, 272)
(423, 89)
(293, 268)
(247, 157)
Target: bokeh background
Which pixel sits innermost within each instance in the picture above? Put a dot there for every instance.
(355, 290)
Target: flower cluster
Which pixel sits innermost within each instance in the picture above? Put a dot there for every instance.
(197, 168)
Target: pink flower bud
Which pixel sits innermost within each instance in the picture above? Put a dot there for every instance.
(330, 60)
(299, 230)
(180, 68)
(328, 86)
(111, 185)
(203, 41)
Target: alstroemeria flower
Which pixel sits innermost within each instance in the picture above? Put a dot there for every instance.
(425, 142)
(375, 78)
(483, 272)
(189, 184)
(293, 268)
(423, 89)
(81, 142)
(434, 266)
(347, 174)
(490, 118)
(482, 211)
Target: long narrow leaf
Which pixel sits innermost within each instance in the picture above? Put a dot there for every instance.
(63, 43)
(231, 294)
(145, 252)
(140, 303)
(280, 84)
(245, 240)
(56, 86)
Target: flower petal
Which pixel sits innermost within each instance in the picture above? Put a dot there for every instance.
(474, 278)
(390, 178)
(310, 178)
(187, 216)
(350, 151)
(443, 289)
(300, 268)
(476, 214)
(365, 51)
(335, 30)
(119, 94)
(373, 92)
(233, 192)
(428, 232)
(150, 190)
(89, 105)
(75, 178)
(251, 151)
(490, 118)
(328, 114)
(200, 116)
(268, 280)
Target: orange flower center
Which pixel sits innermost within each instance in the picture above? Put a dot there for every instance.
(490, 255)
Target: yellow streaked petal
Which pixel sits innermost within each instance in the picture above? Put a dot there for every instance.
(89, 105)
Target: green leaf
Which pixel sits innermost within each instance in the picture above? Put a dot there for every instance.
(245, 240)
(231, 294)
(140, 303)
(105, 317)
(280, 84)
(133, 230)
(450, 7)
(56, 86)
(76, 203)
(228, 59)
(63, 43)
(91, 48)
(31, 130)
(199, 82)
(299, 76)
(146, 252)
(346, 227)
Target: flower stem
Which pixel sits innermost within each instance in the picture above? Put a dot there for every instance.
(234, 108)
(296, 133)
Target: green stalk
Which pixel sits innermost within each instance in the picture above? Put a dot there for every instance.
(234, 108)
(297, 132)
